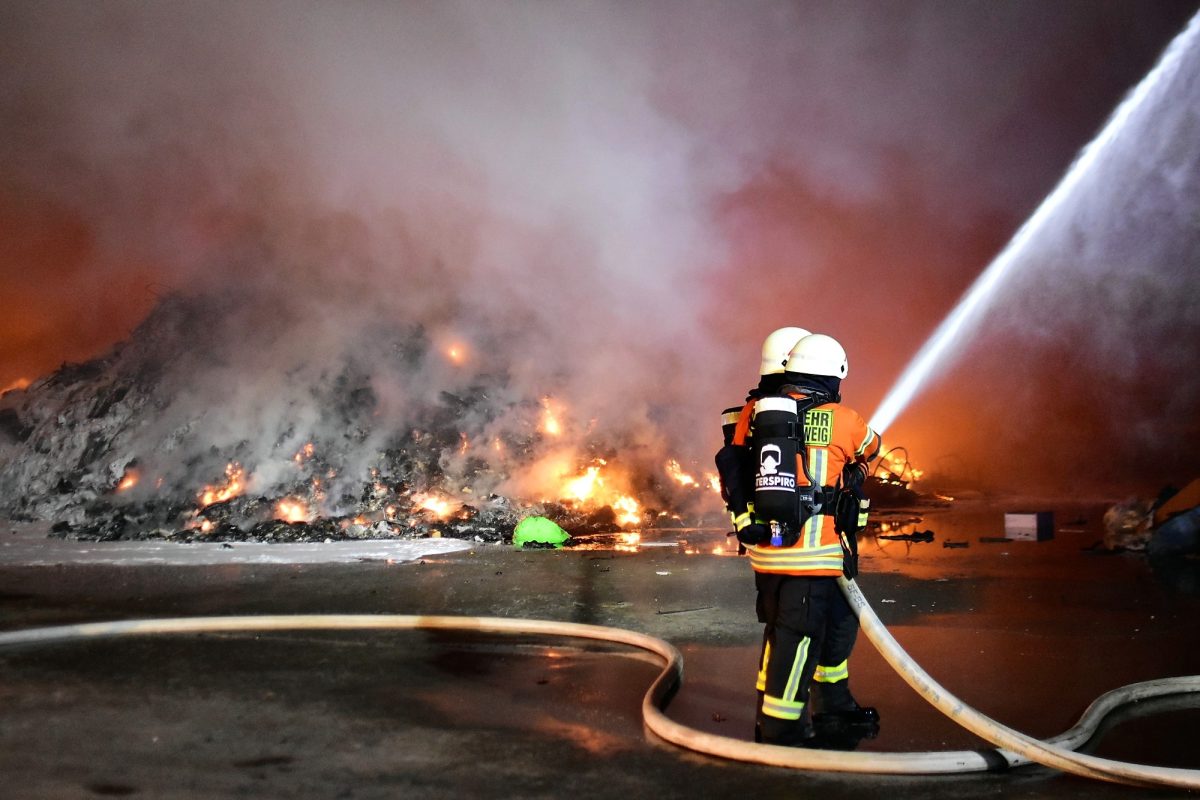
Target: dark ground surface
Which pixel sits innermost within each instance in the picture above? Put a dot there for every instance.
(1029, 633)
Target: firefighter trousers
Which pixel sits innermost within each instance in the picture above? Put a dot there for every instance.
(809, 632)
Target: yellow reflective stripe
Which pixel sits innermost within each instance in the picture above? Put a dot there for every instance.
(833, 674)
(862, 448)
(795, 558)
(793, 681)
(811, 532)
(761, 683)
(730, 417)
(741, 520)
(765, 553)
(822, 458)
(828, 564)
(818, 459)
(780, 708)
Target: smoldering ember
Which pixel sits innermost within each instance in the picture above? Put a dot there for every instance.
(118, 448)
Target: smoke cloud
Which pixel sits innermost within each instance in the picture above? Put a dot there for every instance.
(607, 204)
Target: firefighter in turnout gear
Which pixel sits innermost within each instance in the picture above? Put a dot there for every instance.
(797, 516)
(775, 350)
(735, 486)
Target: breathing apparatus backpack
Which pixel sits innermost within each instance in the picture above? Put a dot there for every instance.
(764, 476)
(737, 490)
(763, 471)
(785, 496)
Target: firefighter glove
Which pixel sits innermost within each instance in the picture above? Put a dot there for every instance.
(755, 533)
(854, 475)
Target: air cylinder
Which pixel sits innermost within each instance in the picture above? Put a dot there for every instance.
(776, 438)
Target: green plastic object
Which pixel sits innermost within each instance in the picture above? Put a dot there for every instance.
(538, 530)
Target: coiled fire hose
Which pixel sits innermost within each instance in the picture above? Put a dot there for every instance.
(1014, 748)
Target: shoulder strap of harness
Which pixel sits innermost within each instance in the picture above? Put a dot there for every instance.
(742, 431)
(824, 496)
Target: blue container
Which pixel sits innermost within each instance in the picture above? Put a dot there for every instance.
(1177, 536)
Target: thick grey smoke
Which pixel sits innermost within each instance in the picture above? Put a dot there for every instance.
(490, 172)
(608, 204)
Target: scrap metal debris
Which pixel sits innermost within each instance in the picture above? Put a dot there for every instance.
(1127, 525)
(683, 610)
(916, 536)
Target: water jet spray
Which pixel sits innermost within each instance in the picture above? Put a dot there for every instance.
(956, 329)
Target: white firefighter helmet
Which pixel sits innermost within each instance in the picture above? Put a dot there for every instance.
(818, 354)
(776, 347)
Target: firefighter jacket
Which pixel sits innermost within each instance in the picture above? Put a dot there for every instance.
(835, 435)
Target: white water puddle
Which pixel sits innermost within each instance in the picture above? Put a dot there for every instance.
(29, 548)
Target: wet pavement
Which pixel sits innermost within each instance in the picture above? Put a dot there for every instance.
(1028, 632)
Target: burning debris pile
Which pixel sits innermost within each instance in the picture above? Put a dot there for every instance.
(179, 434)
(891, 479)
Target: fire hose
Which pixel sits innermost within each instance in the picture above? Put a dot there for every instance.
(1014, 748)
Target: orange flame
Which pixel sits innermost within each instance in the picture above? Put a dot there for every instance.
(628, 542)
(304, 454)
(19, 383)
(128, 480)
(457, 354)
(550, 414)
(628, 510)
(291, 510)
(583, 486)
(592, 488)
(896, 463)
(202, 524)
(440, 506)
(676, 472)
(234, 485)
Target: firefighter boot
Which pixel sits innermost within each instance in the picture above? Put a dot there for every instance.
(785, 732)
(757, 722)
(838, 707)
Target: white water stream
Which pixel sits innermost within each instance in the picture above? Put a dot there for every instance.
(1117, 140)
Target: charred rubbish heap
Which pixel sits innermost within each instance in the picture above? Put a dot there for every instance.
(177, 433)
